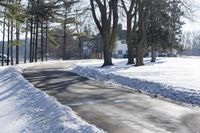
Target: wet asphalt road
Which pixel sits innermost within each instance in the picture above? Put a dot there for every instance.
(112, 108)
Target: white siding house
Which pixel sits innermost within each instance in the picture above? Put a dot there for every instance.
(120, 50)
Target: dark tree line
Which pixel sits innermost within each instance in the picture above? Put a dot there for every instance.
(32, 19)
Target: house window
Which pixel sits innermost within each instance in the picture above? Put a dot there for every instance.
(119, 51)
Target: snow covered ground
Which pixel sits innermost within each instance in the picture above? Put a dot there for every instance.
(24, 108)
(174, 78)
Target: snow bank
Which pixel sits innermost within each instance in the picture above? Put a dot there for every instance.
(131, 77)
(24, 108)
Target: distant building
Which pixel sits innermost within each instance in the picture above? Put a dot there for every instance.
(86, 47)
(91, 47)
(121, 49)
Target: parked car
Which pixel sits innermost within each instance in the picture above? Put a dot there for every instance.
(5, 59)
(162, 54)
(171, 55)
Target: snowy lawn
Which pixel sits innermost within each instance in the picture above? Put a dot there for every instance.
(24, 108)
(174, 78)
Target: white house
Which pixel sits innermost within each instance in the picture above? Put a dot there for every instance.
(120, 50)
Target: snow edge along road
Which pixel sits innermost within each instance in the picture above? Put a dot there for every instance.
(174, 93)
(60, 117)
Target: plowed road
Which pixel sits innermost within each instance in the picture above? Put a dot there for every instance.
(112, 108)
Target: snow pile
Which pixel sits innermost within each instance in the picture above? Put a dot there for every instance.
(173, 78)
(24, 108)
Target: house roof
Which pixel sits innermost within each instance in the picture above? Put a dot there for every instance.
(121, 34)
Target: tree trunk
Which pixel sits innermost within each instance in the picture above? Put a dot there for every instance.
(80, 47)
(129, 40)
(31, 41)
(107, 52)
(64, 37)
(134, 33)
(11, 40)
(17, 46)
(36, 37)
(139, 55)
(107, 26)
(26, 37)
(42, 42)
(153, 53)
(17, 38)
(33, 49)
(8, 44)
(130, 54)
(142, 34)
(46, 42)
(107, 57)
(3, 45)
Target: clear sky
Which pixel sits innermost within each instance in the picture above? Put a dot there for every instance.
(191, 26)
(194, 23)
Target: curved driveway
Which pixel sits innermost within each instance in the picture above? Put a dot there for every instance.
(113, 108)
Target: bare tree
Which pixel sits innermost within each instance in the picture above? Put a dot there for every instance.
(142, 31)
(130, 8)
(107, 25)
